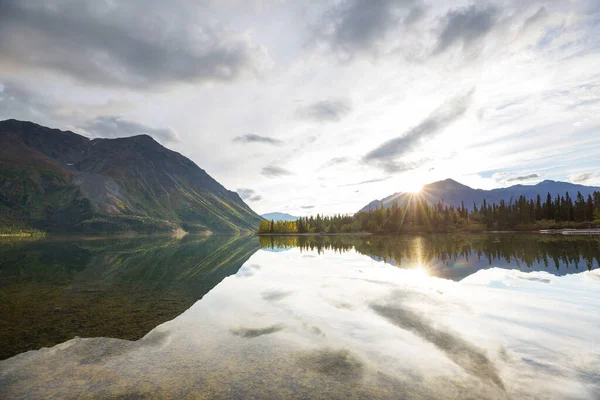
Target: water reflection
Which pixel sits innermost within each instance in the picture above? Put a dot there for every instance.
(53, 290)
(325, 323)
(457, 256)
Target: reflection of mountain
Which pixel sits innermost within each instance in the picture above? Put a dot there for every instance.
(54, 290)
(457, 256)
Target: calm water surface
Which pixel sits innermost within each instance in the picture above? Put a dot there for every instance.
(449, 316)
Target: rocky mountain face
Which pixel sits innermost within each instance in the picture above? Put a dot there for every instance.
(454, 193)
(61, 181)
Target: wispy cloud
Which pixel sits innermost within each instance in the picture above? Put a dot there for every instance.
(466, 26)
(581, 178)
(387, 154)
(325, 111)
(253, 138)
(524, 178)
(375, 180)
(273, 171)
(113, 127)
(249, 194)
(335, 161)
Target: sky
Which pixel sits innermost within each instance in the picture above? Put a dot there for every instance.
(312, 106)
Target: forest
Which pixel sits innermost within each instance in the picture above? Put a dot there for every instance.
(523, 250)
(417, 215)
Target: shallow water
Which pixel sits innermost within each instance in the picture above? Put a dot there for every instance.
(477, 316)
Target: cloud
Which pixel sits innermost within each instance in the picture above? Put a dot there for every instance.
(499, 176)
(113, 127)
(325, 111)
(466, 26)
(359, 26)
(20, 103)
(307, 207)
(249, 194)
(366, 182)
(136, 44)
(540, 15)
(335, 161)
(524, 178)
(273, 171)
(252, 138)
(580, 178)
(386, 155)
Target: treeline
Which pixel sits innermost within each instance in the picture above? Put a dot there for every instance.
(456, 250)
(417, 215)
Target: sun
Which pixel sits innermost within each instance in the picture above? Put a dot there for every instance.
(414, 187)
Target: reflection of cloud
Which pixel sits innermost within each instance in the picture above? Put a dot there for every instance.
(275, 295)
(472, 359)
(449, 338)
(338, 364)
(251, 333)
(248, 270)
(536, 279)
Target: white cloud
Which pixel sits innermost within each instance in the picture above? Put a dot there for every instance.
(535, 109)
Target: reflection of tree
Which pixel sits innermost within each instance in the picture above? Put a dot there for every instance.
(521, 250)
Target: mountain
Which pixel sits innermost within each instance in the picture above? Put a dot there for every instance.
(277, 216)
(54, 180)
(453, 193)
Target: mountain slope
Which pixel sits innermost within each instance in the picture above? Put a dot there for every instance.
(277, 216)
(453, 193)
(55, 180)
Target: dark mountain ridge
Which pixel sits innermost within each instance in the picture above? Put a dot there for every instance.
(59, 180)
(454, 193)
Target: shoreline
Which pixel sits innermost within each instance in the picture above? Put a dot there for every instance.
(21, 234)
(316, 234)
(566, 232)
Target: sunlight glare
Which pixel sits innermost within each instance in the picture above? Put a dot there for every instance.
(412, 183)
(414, 187)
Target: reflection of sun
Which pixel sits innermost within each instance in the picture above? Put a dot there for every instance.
(419, 274)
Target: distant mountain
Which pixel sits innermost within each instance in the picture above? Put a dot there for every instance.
(61, 181)
(453, 193)
(277, 216)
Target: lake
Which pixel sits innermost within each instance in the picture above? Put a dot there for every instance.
(433, 316)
